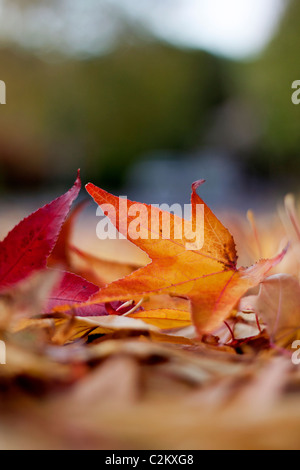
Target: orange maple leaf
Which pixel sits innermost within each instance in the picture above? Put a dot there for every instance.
(208, 277)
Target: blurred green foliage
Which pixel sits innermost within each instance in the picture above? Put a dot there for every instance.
(103, 113)
(267, 82)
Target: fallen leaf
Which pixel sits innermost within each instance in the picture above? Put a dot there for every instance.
(97, 270)
(165, 318)
(208, 277)
(278, 304)
(27, 247)
(72, 289)
(61, 252)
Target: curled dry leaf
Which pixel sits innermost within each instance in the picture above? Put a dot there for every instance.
(80, 327)
(278, 304)
(27, 298)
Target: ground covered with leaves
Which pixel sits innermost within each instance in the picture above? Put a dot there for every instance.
(187, 349)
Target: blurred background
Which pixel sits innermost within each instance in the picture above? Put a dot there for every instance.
(146, 96)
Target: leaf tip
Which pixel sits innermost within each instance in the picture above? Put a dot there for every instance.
(77, 183)
(196, 185)
(281, 255)
(90, 187)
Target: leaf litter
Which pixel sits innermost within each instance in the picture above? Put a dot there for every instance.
(188, 351)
